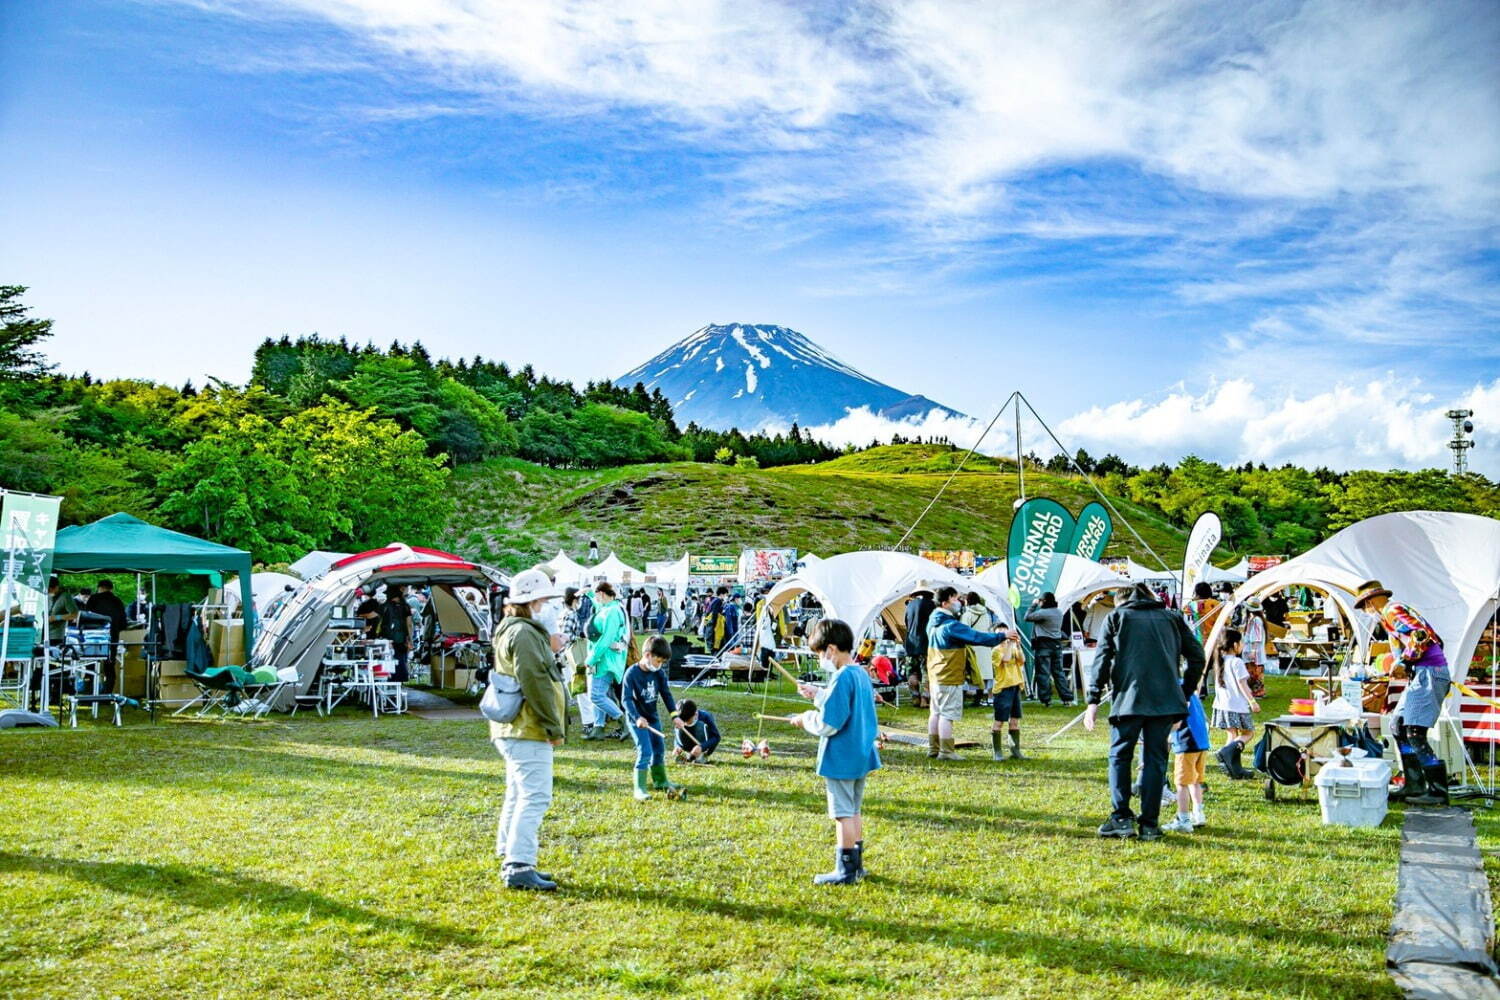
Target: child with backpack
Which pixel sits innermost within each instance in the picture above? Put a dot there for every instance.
(1190, 744)
(645, 682)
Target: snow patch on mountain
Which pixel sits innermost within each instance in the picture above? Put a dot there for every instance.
(787, 379)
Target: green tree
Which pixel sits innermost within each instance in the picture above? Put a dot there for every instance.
(19, 333)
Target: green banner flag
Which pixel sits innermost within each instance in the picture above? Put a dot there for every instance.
(1039, 535)
(1092, 533)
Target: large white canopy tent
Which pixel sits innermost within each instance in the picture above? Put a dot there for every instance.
(564, 571)
(863, 587)
(298, 634)
(1080, 579)
(616, 570)
(673, 574)
(1446, 566)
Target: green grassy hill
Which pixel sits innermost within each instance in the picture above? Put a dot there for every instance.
(512, 513)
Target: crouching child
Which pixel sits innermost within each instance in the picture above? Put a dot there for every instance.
(844, 721)
(698, 735)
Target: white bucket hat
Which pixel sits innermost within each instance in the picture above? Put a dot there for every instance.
(532, 585)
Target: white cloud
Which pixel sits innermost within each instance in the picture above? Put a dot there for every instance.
(1389, 422)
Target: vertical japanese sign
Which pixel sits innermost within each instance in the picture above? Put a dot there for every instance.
(28, 531)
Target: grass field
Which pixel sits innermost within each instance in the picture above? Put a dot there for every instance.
(513, 514)
(352, 857)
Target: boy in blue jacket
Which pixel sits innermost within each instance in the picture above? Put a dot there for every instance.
(1190, 744)
(644, 683)
(844, 720)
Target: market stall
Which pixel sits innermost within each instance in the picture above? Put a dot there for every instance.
(122, 543)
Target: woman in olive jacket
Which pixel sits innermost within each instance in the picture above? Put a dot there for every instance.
(523, 650)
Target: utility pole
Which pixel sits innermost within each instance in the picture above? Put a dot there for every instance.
(1460, 445)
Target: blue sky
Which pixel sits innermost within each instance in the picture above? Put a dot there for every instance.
(1263, 231)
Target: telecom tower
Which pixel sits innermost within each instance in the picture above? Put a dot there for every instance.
(1460, 445)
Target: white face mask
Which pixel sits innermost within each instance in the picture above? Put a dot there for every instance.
(828, 663)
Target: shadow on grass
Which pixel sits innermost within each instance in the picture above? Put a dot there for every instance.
(1087, 957)
(210, 889)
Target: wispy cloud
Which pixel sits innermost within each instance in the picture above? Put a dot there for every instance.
(1316, 182)
(1390, 422)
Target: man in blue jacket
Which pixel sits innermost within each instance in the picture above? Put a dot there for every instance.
(948, 642)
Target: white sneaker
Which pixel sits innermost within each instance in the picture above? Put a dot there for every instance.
(1198, 818)
(1179, 824)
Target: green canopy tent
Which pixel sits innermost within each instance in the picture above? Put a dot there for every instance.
(121, 543)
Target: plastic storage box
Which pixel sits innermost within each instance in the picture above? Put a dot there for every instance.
(1356, 795)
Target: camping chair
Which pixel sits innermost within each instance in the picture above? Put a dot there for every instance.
(219, 688)
(263, 689)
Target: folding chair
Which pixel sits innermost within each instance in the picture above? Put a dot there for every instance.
(219, 688)
(262, 691)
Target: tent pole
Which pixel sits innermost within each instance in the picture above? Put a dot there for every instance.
(1020, 465)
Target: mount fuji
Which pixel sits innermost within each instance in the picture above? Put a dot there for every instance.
(755, 377)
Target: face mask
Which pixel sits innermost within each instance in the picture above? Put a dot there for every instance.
(827, 663)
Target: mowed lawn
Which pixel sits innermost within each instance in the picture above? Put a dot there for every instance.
(354, 857)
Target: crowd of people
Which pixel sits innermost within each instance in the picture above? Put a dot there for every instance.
(567, 646)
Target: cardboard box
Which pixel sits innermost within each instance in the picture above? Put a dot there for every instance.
(177, 690)
(226, 638)
(172, 669)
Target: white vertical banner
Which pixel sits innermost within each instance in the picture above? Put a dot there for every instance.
(1202, 541)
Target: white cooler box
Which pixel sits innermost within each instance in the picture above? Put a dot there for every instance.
(1354, 796)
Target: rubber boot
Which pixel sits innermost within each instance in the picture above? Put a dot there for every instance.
(1015, 745)
(1229, 761)
(593, 733)
(1435, 778)
(642, 793)
(660, 783)
(1415, 786)
(934, 747)
(946, 751)
(859, 847)
(995, 744)
(845, 869)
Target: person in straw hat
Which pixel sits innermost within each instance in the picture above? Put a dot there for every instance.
(1418, 647)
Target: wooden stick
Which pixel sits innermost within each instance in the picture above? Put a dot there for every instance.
(776, 718)
(784, 671)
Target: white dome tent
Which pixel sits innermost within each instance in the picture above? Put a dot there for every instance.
(861, 587)
(1446, 566)
(1080, 578)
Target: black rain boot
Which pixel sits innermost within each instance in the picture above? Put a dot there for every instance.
(859, 846)
(1415, 785)
(1435, 778)
(995, 742)
(845, 869)
(1015, 745)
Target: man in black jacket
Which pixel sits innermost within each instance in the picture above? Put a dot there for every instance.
(107, 603)
(919, 611)
(1138, 666)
